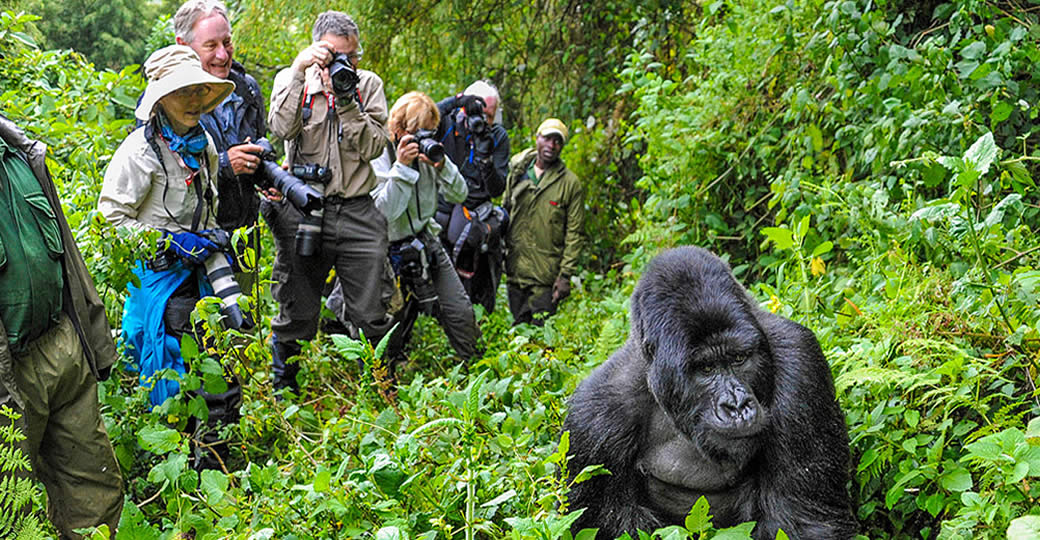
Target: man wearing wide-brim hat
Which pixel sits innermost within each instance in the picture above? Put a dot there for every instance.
(163, 177)
(546, 204)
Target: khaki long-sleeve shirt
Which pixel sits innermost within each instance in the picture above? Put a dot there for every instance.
(344, 139)
(547, 223)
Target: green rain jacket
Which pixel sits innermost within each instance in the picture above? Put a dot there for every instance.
(80, 299)
(547, 223)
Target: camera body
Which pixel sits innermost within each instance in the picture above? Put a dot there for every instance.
(344, 77)
(475, 122)
(417, 273)
(312, 172)
(429, 146)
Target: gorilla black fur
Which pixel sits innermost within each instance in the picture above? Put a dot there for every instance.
(712, 396)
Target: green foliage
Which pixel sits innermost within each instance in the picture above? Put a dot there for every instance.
(109, 32)
(865, 166)
(18, 492)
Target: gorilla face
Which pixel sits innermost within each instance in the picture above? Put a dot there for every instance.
(708, 360)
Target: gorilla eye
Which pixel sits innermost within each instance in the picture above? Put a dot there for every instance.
(740, 359)
(705, 369)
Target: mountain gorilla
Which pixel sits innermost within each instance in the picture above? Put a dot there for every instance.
(711, 396)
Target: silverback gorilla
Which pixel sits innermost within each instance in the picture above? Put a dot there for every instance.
(711, 396)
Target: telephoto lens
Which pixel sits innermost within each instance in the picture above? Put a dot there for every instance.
(303, 196)
(308, 233)
(220, 276)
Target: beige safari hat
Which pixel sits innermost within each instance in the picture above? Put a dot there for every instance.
(552, 125)
(171, 68)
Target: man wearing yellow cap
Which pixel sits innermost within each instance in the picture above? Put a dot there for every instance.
(546, 204)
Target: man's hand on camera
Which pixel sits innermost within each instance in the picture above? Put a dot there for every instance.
(407, 150)
(244, 158)
(271, 194)
(473, 105)
(319, 52)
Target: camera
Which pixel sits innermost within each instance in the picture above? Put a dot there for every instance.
(308, 233)
(294, 186)
(344, 77)
(475, 122)
(428, 145)
(219, 275)
(222, 278)
(416, 274)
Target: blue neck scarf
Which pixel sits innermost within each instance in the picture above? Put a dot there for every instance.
(190, 146)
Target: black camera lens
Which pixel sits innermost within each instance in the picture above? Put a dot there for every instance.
(428, 145)
(344, 77)
(308, 234)
(305, 198)
(476, 124)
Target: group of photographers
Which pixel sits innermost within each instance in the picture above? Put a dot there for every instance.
(397, 202)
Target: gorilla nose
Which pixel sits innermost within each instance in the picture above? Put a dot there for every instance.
(738, 407)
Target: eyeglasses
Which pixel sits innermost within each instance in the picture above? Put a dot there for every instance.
(194, 91)
(354, 57)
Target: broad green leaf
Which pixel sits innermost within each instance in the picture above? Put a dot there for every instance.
(390, 533)
(214, 484)
(974, 50)
(1024, 528)
(823, 248)
(957, 480)
(783, 238)
(740, 532)
(1001, 111)
(158, 439)
(698, 520)
(322, 480)
(982, 154)
(1033, 431)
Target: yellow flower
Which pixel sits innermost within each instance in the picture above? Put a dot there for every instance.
(774, 303)
(817, 267)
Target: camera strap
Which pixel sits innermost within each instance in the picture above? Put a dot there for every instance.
(153, 136)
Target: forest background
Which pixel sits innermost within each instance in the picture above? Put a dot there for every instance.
(866, 166)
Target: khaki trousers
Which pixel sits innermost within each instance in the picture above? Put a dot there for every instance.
(65, 437)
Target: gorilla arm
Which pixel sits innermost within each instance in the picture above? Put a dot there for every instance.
(803, 488)
(605, 429)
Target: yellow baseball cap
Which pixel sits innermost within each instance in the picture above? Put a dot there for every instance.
(553, 125)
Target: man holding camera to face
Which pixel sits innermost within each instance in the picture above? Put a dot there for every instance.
(407, 196)
(331, 115)
(479, 146)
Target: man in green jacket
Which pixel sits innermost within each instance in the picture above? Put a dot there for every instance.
(546, 205)
(55, 344)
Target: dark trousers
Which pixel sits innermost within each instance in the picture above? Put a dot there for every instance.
(353, 241)
(65, 436)
(525, 302)
(453, 309)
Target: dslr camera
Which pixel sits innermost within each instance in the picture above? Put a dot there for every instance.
(475, 122)
(344, 77)
(305, 198)
(417, 274)
(428, 144)
(220, 276)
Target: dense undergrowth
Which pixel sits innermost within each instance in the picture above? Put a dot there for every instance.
(867, 167)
